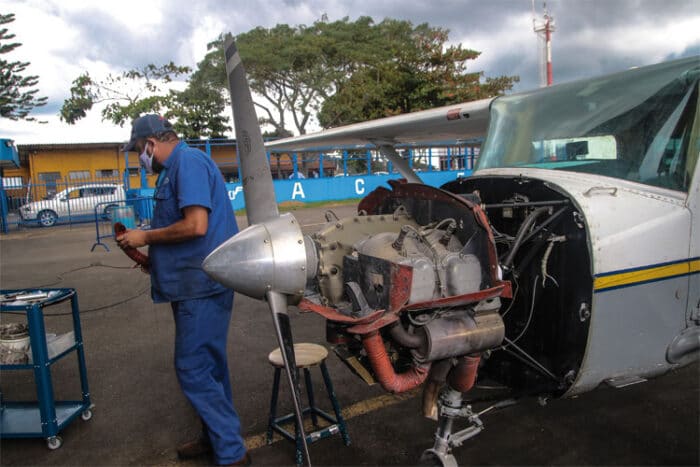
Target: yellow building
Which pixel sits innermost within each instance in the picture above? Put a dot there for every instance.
(48, 168)
(70, 163)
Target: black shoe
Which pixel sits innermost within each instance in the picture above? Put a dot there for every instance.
(194, 448)
(245, 460)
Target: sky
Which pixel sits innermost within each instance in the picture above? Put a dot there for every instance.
(64, 38)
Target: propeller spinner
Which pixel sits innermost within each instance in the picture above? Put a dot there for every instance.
(270, 259)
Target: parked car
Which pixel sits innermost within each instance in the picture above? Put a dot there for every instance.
(75, 201)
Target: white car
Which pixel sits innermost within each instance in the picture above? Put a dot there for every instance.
(75, 201)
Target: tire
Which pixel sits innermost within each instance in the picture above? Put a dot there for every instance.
(47, 218)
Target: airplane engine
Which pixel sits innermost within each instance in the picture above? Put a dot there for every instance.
(439, 269)
(407, 285)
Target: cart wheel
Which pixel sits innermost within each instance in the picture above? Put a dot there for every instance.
(86, 415)
(54, 442)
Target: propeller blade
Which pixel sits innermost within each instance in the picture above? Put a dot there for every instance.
(258, 189)
(278, 306)
(271, 258)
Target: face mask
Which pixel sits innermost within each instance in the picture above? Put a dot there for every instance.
(149, 163)
(146, 160)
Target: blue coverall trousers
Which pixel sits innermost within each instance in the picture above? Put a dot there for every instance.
(201, 328)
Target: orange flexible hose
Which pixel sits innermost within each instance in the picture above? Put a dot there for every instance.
(384, 371)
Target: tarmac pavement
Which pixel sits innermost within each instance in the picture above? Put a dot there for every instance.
(140, 415)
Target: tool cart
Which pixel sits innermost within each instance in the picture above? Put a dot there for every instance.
(46, 417)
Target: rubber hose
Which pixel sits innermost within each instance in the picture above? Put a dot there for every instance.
(384, 371)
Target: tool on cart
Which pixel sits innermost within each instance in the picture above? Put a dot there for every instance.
(14, 343)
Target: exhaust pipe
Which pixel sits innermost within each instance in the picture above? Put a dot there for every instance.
(384, 371)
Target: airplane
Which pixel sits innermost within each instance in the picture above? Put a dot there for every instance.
(568, 259)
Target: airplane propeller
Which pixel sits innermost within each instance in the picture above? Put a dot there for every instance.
(270, 259)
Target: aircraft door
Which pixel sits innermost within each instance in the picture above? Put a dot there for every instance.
(686, 346)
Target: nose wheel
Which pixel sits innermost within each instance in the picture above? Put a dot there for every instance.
(450, 408)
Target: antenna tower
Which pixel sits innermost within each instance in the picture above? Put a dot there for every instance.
(544, 30)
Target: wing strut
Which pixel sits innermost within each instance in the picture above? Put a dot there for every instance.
(401, 164)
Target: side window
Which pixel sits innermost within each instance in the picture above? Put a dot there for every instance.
(107, 173)
(670, 159)
(79, 175)
(102, 191)
(679, 157)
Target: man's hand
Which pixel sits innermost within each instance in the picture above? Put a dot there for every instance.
(132, 238)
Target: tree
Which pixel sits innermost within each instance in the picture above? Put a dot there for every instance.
(18, 97)
(413, 70)
(294, 69)
(200, 110)
(128, 95)
(347, 71)
(197, 112)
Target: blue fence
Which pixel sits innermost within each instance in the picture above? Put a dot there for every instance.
(311, 177)
(326, 188)
(57, 201)
(105, 214)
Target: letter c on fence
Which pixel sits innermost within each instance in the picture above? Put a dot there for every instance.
(359, 186)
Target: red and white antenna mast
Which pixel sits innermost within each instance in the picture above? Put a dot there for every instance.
(544, 30)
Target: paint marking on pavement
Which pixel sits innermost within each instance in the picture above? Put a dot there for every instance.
(355, 410)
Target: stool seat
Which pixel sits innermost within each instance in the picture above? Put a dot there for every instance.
(305, 355)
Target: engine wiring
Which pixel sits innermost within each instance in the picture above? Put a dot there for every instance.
(525, 233)
(545, 258)
(515, 294)
(520, 353)
(532, 309)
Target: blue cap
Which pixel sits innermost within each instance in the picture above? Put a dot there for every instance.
(148, 125)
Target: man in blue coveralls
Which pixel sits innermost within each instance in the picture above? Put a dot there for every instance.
(192, 216)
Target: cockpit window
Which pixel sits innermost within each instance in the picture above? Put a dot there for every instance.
(641, 125)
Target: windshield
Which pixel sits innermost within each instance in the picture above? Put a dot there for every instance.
(639, 125)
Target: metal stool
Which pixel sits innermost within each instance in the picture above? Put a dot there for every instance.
(306, 356)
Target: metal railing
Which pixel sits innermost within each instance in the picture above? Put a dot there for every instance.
(107, 213)
(57, 202)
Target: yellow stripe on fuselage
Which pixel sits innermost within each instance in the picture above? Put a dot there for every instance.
(695, 266)
(647, 275)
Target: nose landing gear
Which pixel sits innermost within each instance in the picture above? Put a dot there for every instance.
(451, 407)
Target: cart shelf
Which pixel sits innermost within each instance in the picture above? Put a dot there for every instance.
(45, 417)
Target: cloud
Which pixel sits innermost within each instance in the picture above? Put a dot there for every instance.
(592, 37)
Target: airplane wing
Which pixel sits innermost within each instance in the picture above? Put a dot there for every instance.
(450, 123)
